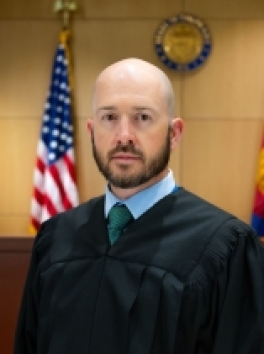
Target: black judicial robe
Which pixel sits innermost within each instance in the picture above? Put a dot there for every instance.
(186, 277)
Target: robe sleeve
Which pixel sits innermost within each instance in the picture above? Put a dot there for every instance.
(223, 302)
(26, 336)
(26, 331)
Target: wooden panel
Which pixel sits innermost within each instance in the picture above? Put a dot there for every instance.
(14, 261)
(231, 82)
(15, 225)
(219, 162)
(43, 9)
(25, 67)
(19, 139)
(26, 9)
(175, 164)
(130, 8)
(226, 8)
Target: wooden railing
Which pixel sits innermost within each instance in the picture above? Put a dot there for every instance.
(14, 261)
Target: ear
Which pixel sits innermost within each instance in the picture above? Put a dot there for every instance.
(176, 131)
(89, 125)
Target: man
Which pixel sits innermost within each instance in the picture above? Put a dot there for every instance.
(181, 277)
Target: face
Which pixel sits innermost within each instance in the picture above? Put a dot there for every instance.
(132, 133)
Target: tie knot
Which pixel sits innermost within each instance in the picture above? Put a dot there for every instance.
(119, 216)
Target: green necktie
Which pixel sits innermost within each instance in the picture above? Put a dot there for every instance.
(119, 216)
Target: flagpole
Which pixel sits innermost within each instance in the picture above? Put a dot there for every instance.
(65, 8)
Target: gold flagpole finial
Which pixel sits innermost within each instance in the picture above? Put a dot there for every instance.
(65, 7)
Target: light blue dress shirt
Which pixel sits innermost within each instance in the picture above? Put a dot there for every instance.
(143, 200)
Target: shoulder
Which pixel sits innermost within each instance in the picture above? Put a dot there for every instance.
(57, 233)
(219, 237)
(208, 234)
(198, 212)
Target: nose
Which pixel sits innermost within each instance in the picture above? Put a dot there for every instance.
(125, 132)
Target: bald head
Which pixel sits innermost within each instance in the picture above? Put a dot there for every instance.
(142, 75)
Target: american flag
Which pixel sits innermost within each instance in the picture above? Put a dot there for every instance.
(54, 187)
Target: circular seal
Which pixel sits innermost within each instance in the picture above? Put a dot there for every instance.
(183, 42)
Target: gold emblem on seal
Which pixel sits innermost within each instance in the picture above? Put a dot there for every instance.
(183, 42)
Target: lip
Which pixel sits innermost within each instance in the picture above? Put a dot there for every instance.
(125, 157)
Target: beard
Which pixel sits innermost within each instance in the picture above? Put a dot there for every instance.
(151, 166)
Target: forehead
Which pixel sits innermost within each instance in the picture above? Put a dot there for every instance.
(133, 87)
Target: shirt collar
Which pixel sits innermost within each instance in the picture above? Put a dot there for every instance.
(150, 195)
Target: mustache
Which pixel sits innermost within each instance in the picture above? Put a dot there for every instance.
(126, 148)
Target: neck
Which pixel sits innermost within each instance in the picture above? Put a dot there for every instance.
(125, 193)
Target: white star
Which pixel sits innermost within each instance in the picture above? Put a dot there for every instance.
(52, 156)
(56, 132)
(54, 144)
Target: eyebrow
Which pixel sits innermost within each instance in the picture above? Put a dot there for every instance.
(143, 108)
(106, 108)
(136, 108)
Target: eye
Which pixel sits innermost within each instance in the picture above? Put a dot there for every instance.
(109, 117)
(143, 117)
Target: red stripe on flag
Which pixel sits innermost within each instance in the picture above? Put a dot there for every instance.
(40, 165)
(38, 196)
(70, 166)
(57, 179)
(49, 205)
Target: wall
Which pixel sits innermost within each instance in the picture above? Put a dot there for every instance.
(222, 103)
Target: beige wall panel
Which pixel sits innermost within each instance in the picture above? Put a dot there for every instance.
(226, 8)
(91, 8)
(220, 160)
(99, 44)
(17, 157)
(26, 8)
(27, 49)
(231, 82)
(13, 225)
(175, 164)
(129, 8)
